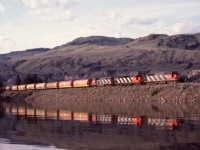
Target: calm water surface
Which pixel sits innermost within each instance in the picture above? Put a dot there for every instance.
(26, 128)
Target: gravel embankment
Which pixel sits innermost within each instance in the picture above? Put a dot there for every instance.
(118, 98)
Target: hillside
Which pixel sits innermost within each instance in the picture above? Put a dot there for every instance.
(99, 56)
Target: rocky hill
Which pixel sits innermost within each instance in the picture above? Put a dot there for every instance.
(99, 56)
(184, 41)
(97, 40)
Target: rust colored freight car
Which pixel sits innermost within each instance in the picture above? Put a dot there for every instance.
(82, 83)
(14, 88)
(30, 86)
(65, 84)
(52, 85)
(40, 86)
(22, 87)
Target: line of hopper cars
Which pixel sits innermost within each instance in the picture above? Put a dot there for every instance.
(111, 81)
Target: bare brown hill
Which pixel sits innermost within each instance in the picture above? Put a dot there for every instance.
(99, 56)
(98, 40)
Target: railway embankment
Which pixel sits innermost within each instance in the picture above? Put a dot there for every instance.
(116, 98)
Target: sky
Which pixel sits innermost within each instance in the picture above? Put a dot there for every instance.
(26, 24)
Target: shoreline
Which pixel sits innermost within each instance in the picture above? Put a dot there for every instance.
(126, 99)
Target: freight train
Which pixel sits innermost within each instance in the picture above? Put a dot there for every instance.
(111, 81)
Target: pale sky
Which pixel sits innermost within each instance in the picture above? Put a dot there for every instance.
(26, 24)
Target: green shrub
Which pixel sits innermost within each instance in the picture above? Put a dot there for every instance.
(154, 92)
(30, 93)
(154, 108)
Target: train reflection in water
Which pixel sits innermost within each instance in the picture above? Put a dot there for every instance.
(67, 115)
(80, 131)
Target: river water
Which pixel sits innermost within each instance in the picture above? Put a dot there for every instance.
(27, 128)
